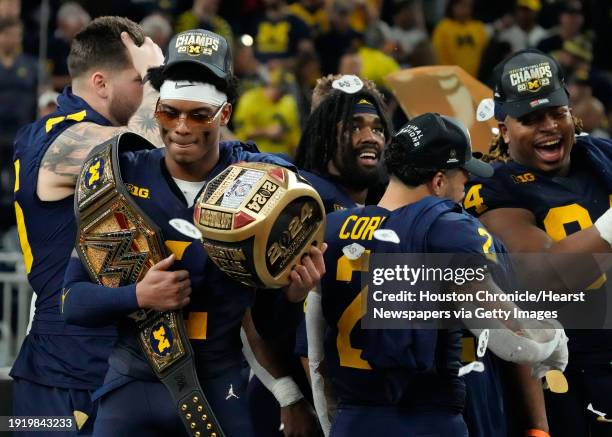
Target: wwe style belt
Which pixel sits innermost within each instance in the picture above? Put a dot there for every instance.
(118, 244)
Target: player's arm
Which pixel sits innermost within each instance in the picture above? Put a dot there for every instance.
(516, 227)
(529, 390)
(87, 304)
(62, 162)
(297, 415)
(542, 343)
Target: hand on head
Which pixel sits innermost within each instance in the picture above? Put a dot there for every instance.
(146, 56)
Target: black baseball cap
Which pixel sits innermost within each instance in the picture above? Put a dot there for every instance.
(526, 81)
(201, 47)
(439, 142)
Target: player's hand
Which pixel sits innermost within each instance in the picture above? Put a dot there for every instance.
(144, 57)
(305, 276)
(556, 361)
(300, 420)
(164, 290)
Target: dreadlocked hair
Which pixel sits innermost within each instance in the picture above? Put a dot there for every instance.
(331, 123)
(498, 149)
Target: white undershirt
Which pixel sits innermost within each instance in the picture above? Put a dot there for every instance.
(189, 189)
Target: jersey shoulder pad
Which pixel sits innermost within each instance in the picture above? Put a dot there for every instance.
(498, 191)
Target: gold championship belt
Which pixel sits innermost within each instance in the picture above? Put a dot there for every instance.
(118, 244)
(257, 220)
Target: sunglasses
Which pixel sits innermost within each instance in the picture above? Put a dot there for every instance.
(169, 117)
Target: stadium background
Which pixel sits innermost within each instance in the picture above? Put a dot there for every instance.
(280, 49)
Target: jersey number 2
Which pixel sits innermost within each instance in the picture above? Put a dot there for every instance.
(348, 355)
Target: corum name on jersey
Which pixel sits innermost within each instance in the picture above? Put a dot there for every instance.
(196, 44)
(531, 78)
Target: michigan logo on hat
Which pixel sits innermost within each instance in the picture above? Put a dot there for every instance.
(202, 47)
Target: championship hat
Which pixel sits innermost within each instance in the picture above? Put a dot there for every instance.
(434, 141)
(201, 47)
(526, 81)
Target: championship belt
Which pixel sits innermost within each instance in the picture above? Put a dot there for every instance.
(118, 244)
(258, 220)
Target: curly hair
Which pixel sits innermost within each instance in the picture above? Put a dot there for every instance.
(499, 150)
(331, 123)
(324, 87)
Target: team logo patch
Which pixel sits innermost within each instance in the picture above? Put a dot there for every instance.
(452, 158)
(93, 174)
(196, 44)
(161, 339)
(531, 78)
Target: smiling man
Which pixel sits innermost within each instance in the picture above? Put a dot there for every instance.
(342, 143)
(197, 89)
(550, 186)
(344, 138)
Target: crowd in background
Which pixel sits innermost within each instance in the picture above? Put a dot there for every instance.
(282, 47)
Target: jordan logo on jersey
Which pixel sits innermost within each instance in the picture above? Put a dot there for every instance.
(231, 394)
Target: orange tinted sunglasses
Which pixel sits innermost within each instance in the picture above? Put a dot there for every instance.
(169, 117)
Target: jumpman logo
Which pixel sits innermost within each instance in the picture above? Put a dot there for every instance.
(231, 393)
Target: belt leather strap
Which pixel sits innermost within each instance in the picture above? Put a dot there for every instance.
(118, 243)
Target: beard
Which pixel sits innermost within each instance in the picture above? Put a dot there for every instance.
(355, 176)
(121, 109)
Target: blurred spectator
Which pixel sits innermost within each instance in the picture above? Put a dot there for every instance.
(495, 52)
(313, 13)
(576, 57)
(423, 54)
(350, 63)
(375, 63)
(458, 39)
(408, 29)
(268, 115)
(525, 32)
(71, 18)
(571, 21)
(203, 15)
(279, 37)
(157, 27)
(47, 103)
(364, 14)
(339, 38)
(307, 71)
(10, 8)
(249, 71)
(586, 107)
(18, 81)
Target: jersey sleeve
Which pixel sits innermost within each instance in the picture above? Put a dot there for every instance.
(459, 233)
(87, 304)
(486, 194)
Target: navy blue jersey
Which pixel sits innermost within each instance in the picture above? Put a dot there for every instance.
(561, 206)
(218, 303)
(384, 367)
(54, 353)
(333, 196)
